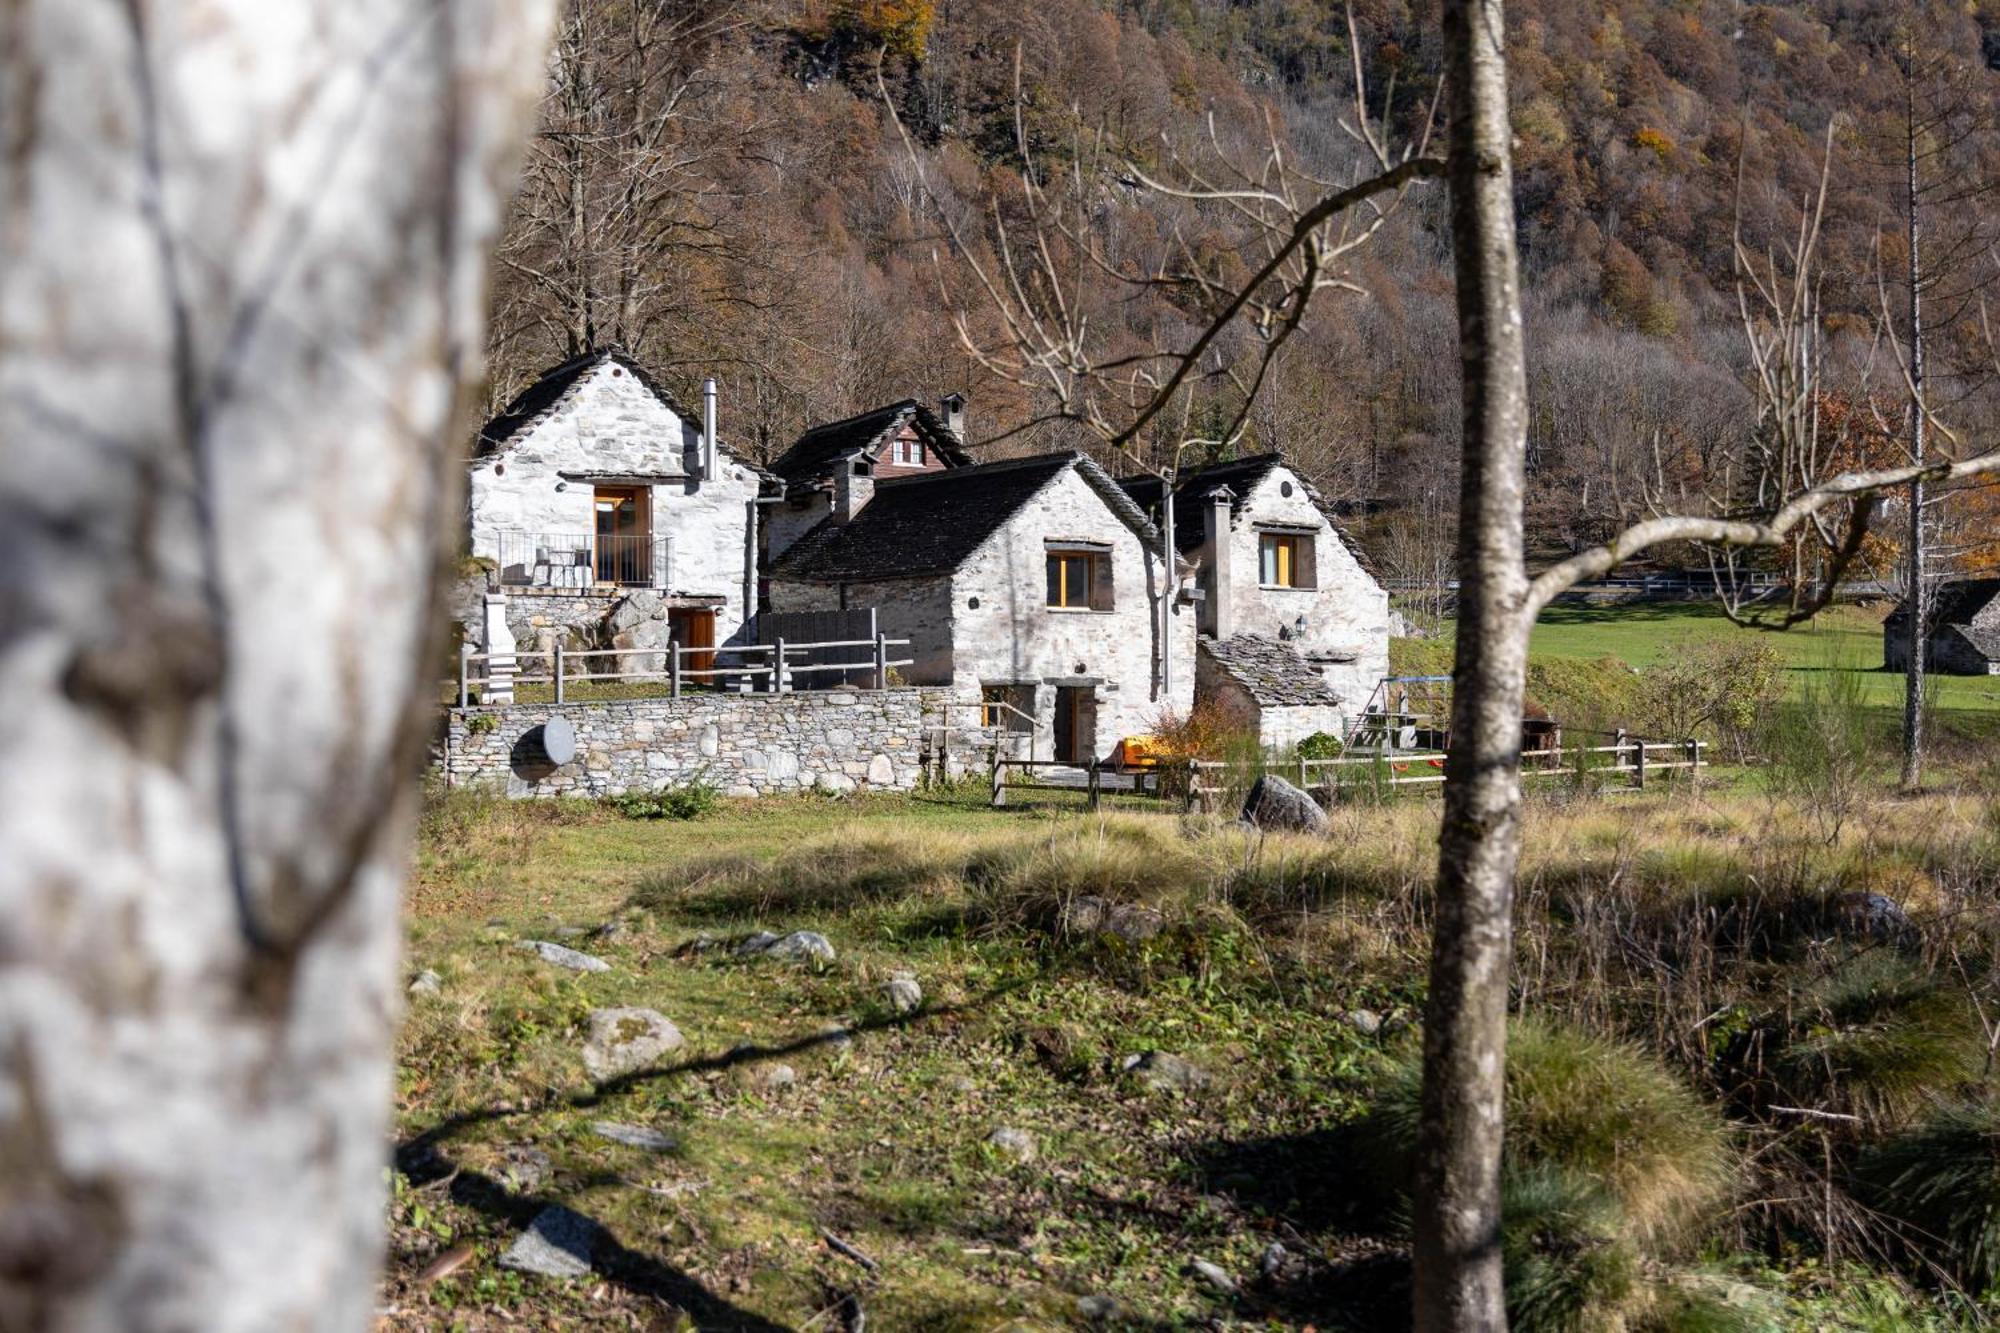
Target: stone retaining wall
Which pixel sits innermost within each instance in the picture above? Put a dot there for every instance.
(745, 744)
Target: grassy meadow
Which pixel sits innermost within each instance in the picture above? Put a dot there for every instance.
(1749, 1081)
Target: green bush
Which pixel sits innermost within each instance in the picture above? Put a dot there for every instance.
(1566, 1263)
(1604, 1109)
(689, 800)
(1941, 1181)
(1823, 751)
(1320, 745)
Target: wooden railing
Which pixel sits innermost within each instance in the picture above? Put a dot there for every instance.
(769, 663)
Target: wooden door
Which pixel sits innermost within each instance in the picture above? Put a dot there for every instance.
(624, 545)
(694, 627)
(1069, 747)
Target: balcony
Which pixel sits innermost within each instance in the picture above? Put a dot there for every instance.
(582, 560)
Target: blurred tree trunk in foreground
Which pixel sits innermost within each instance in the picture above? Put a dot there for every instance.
(243, 280)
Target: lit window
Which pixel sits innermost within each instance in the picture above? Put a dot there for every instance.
(1080, 579)
(1281, 565)
(993, 706)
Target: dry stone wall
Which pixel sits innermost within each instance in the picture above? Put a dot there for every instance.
(744, 744)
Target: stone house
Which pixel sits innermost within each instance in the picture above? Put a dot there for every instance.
(609, 514)
(1294, 631)
(900, 440)
(1964, 637)
(1033, 587)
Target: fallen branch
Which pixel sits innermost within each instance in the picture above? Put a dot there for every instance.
(847, 1251)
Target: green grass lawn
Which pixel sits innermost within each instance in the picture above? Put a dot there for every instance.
(1842, 638)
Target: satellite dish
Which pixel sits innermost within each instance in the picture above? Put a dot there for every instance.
(559, 739)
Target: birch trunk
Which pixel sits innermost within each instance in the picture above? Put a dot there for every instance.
(1917, 596)
(1458, 1275)
(243, 279)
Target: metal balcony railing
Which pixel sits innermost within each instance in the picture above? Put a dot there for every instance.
(583, 560)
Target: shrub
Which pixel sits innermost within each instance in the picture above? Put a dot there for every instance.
(1600, 1108)
(1941, 1181)
(1567, 1267)
(1822, 752)
(688, 800)
(1320, 745)
(1720, 688)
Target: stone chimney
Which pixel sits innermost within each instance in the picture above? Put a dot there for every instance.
(951, 410)
(853, 488)
(1218, 610)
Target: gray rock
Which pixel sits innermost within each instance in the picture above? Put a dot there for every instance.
(1272, 1260)
(903, 993)
(1163, 1071)
(1276, 805)
(1018, 1144)
(1365, 1021)
(623, 1040)
(427, 983)
(1096, 1309)
(837, 1035)
(1088, 914)
(635, 1136)
(799, 946)
(562, 956)
(558, 1243)
(610, 930)
(959, 1083)
(1215, 1277)
(771, 1078)
(523, 1169)
(1873, 915)
(702, 942)
(568, 932)
(635, 609)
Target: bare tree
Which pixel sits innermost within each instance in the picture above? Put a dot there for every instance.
(246, 253)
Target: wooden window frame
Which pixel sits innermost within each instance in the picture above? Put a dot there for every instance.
(1285, 560)
(1097, 592)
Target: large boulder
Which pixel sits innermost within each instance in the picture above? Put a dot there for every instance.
(1275, 805)
(635, 609)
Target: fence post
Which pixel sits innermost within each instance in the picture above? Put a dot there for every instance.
(1639, 766)
(1095, 784)
(778, 665)
(464, 675)
(673, 668)
(997, 779)
(558, 672)
(1302, 772)
(881, 660)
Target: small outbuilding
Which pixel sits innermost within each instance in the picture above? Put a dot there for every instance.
(1964, 631)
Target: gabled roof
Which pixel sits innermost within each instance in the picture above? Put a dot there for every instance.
(1953, 603)
(1985, 642)
(815, 454)
(553, 391)
(1240, 475)
(1271, 670)
(931, 524)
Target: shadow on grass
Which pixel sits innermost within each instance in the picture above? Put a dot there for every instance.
(422, 1158)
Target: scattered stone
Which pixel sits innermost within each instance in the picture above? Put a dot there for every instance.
(1365, 1021)
(1874, 915)
(635, 1136)
(564, 957)
(837, 1035)
(1088, 914)
(699, 944)
(801, 945)
(959, 1083)
(558, 1243)
(569, 932)
(1016, 1143)
(771, 1078)
(523, 1169)
(1163, 1071)
(758, 942)
(427, 983)
(1214, 1276)
(1096, 1309)
(1275, 804)
(903, 993)
(610, 930)
(1272, 1260)
(623, 1040)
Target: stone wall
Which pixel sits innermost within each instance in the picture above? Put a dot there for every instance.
(745, 744)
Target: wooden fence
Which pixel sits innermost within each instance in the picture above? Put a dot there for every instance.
(774, 664)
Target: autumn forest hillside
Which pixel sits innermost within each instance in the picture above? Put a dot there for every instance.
(722, 189)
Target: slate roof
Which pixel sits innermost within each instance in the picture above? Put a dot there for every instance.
(1271, 670)
(815, 454)
(1955, 603)
(1240, 475)
(550, 393)
(931, 524)
(1984, 641)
